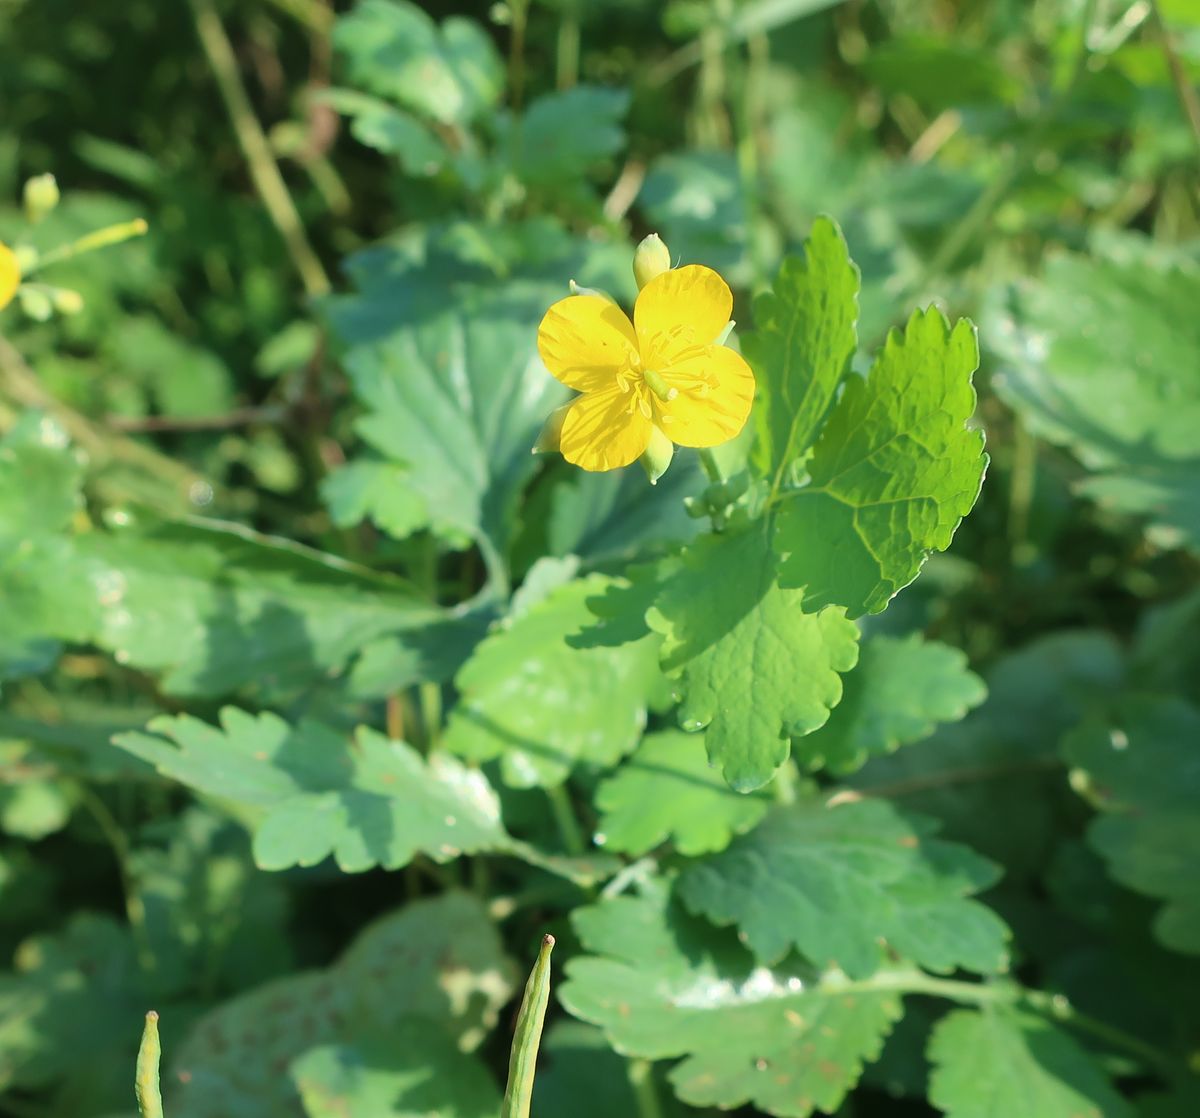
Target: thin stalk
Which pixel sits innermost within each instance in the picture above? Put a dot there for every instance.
(641, 1079)
(90, 242)
(567, 50)
(1184, 89)
(1024, 480)
(564, 818)
(268, 180)
(519, 10)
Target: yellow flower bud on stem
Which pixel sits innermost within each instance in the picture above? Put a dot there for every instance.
(41, 196)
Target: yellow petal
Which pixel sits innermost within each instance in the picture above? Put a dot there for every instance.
(715, 390)
(601, 433)
(10, 275)
(678, 310)
(585, 340)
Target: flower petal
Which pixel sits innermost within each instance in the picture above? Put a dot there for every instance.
(601, 433)
(10, 275)
(585, 340)
(716, 390)
(680, 309)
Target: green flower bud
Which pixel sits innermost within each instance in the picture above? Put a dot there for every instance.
(657, 456)
(35, 302)
(41, 196)
(651, 259)
(65, 300)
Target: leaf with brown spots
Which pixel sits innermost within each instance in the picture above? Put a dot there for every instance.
(664, 985)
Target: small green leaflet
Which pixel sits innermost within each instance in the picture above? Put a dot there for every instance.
(375, 490)
(1000, 1061)
(371, 803)
(412, 1072)
(1141, 766)
(757, 670)
(898, 692)
(543, 706)
(668, 790)
(663, 985)
(437, 965)
(894, 472)
(801, 347)
(844, 884)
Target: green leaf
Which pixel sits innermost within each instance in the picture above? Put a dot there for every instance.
(894, 472)
(757, 670)
(662, 985)
(801, 347)
(440, 341)
(618, 514)
(1002, 1061)
(1099, 356)
(668, 791)
(583, 1077)
(544, 707)
(1140, 766)
(33, 809)
(898, 692)
(846, 884)
(215, 608)
(387, 129)
(411, 1073)
(1002, 761)
(562, 135)
(373, 802)
(393, 49)
(436, 964)
(370, 489)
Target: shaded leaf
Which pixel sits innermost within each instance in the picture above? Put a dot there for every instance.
(756, 669)
(369, 489)
(894, 472)
(898, 692)
(1002, 1061)
(436, 964)
(845, 884)
(413, 1072)
(1141, 766)
(561, 135)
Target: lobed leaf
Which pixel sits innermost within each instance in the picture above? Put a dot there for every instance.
(756, 669)
(662, 986)
(848, 885)
(894, 472)
(668, 791)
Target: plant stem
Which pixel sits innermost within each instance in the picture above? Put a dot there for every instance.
(1054, 1006)
(516, 52)
(268, 180)
(641, 1079)
(564, 818)
(568, 47)
(1184, 89)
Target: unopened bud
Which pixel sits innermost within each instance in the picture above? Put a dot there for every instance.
(10, 275)
(35, 302)
(41, 196)
(651, 259)
(66, 301)
(657, 455)
(551, 433)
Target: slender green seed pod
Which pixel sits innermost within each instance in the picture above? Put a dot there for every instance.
(523, 1062)
(145, 1087)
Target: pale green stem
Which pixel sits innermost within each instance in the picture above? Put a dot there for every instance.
(268, 180)
(101, 238)
(641, 1079)
(564, 818)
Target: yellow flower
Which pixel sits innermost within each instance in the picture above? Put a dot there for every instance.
(664, 370)
(10, 275)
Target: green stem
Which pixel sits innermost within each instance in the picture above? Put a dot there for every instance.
(516, 52)
(101, 238)
(1053, 1006)
(568, 47)
(268, 180)
(564, 818)
(641, 1079)
(712, 468)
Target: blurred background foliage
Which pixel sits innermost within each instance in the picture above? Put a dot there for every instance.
(310, 172)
